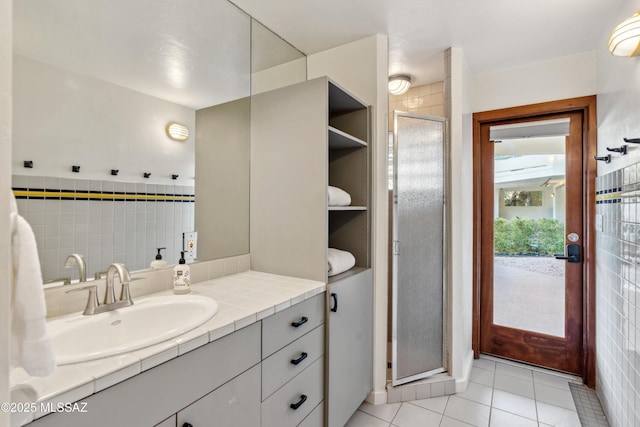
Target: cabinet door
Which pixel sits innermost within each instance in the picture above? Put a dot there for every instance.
(237, 403)
(349, 346)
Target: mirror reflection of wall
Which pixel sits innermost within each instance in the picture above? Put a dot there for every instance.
(95, 88)
(223, 148)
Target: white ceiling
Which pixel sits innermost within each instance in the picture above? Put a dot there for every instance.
(495, 34)
(190, 51)
(195, 53)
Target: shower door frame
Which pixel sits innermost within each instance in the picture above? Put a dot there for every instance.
(395, 381)
(587, 106)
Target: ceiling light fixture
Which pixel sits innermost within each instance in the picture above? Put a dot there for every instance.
(625, 38)
(399, 84)
(177, 131)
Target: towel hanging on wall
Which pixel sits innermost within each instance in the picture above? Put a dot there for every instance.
(31, 346)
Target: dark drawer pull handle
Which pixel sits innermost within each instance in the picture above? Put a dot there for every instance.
(187, 425)
(334, 297)
(294, 406)
(300, 322)
(299, 359)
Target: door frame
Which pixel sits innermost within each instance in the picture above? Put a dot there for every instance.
(586, 105)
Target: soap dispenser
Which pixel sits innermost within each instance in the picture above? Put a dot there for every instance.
(181, 277)
(158, 263)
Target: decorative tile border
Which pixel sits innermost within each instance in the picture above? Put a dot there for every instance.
(49, 194)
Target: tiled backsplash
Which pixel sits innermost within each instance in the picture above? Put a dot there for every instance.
(618, 294)
(104, 221)
(60, 302)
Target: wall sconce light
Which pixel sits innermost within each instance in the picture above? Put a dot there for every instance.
(625, 38)
(177, 131)
(399, 84)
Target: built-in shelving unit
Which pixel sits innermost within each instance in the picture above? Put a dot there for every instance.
(347, 208)
(304, 138)
(339, 140)
(349, 159)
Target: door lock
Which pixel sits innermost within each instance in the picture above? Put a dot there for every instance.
(573, 253)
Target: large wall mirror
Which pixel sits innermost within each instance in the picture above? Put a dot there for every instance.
(95, 171)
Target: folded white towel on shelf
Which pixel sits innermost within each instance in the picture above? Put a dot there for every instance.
(338, 197)
(339, 261)
(31, 346)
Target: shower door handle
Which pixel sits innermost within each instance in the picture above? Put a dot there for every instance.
(573, 253)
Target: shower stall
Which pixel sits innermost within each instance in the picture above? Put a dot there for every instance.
(419, 265)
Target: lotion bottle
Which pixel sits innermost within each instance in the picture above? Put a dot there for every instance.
(158, 263)
(181, 277)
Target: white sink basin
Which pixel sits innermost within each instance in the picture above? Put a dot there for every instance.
(149, 321)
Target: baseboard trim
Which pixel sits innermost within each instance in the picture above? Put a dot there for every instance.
(377, 397)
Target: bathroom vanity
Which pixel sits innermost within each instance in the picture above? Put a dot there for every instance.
(265, 359)
(259, 356)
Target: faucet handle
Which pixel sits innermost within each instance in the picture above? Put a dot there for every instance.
(125, 295)
(92, 301)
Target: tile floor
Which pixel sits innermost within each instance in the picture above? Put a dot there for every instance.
(500, 394)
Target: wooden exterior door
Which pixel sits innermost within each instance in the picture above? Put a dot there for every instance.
(531, 304)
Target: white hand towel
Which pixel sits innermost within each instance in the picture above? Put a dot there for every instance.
(339, 261)
(338, 197)
(31, 346)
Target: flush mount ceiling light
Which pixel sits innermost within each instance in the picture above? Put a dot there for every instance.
(177, 131)
(399, 84)
(625, 38)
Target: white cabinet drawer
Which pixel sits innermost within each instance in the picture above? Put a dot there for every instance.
(289, 325)
(315, 418)
(288, 362)
(305, 391)
(237, 403)
(171, 422)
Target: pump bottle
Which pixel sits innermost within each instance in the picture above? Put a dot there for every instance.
(181, 277)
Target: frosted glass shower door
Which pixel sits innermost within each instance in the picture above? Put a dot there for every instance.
(418, 247)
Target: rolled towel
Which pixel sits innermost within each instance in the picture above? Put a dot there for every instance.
(339, 261)
(338, 197)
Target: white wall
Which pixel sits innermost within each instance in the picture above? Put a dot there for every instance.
(279, 76)
(5, 184)
(458, 88)
(618, 307)
(62, 118)
(561, 78)
(361, 68)
(618, 100)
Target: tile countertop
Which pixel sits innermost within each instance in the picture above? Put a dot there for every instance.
(243, 299)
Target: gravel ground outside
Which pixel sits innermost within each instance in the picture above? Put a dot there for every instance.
(548, 266)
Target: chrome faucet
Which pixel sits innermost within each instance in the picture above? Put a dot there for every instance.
(82, 266)
(93, 305)
(125, 278)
